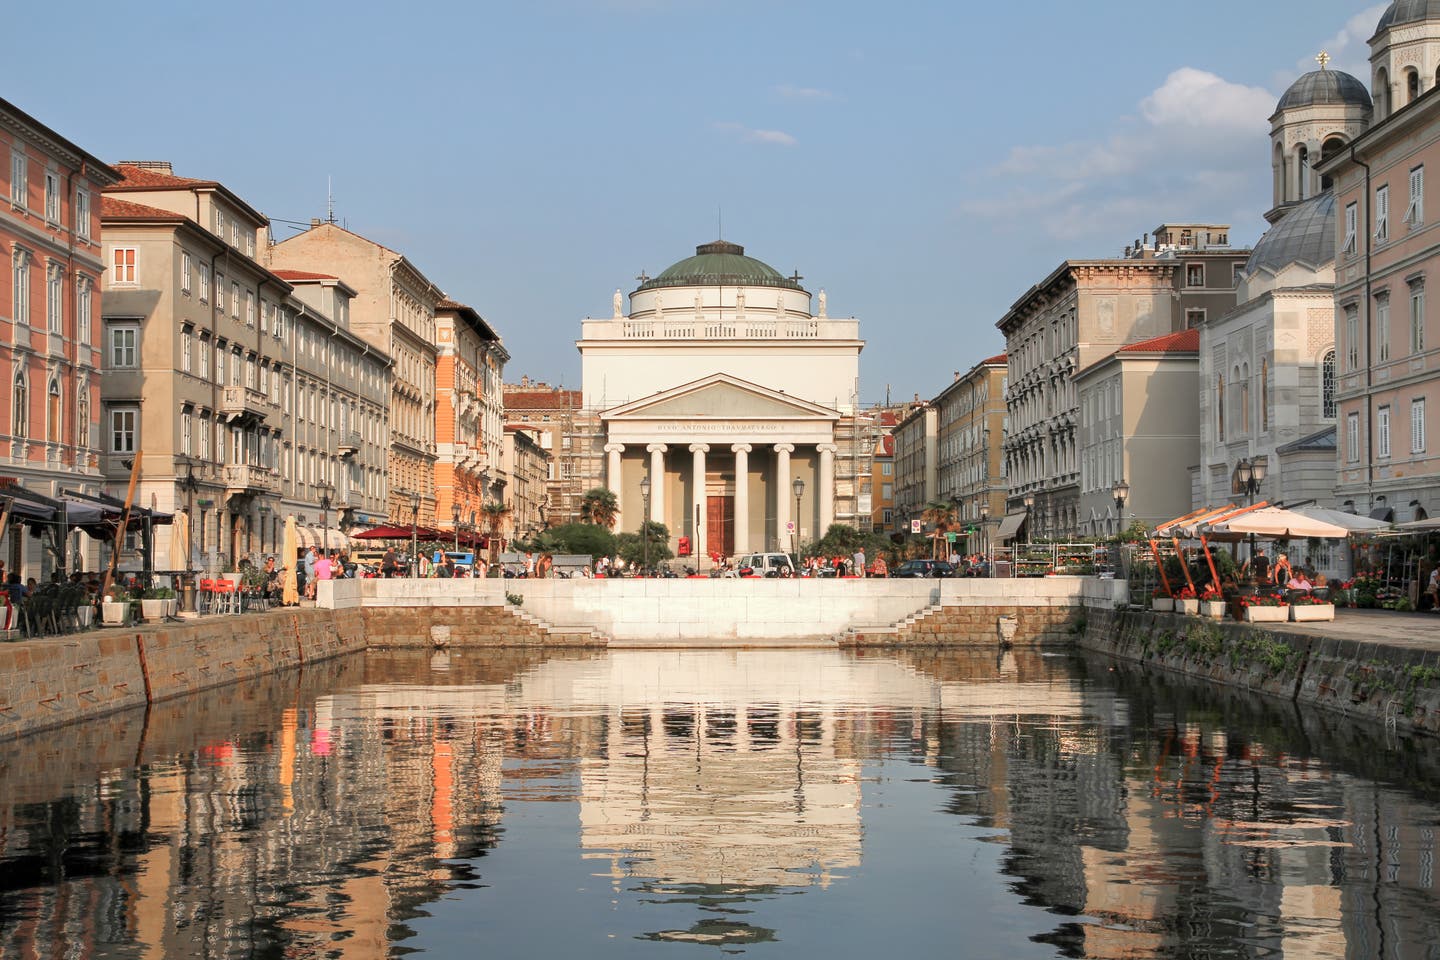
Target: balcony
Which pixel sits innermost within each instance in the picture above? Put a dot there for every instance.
(348, 444)
(244, 479)
(242, 403)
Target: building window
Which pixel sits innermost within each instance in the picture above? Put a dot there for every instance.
(1382, 327)
(1327, 385)
(1417, 316)
(55, 298)
(124, 345)
(235, 365)
(187, 348)
(887, 469)
(204, 452)
(82, 214)
(19, 179)
(1352, 437)
(52, 198)
(1352, 219)
(20, 279)
(249, 309)
(1352, 338)
(1237, 273)
(186, 268)
(1194, 318)
(54, 418)
(204, 284)
(1382, 432)
(220, 223)
(204, 357)
(219, 442)
(1264, 396)
(1415, 209)
(122, 266)
(235, 299)
(220, 363)
(249, 372)
(1382, 213)
(83, 310)
(1220, 408)
(1195, 275)
(20, 406)
(82, 415)
(1417, 425)
(123, 425)
(186, 432)
(220, 291)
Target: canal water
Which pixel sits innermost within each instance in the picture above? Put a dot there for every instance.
(759, 803)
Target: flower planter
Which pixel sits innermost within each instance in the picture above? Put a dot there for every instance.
(85, 616)
(1214, 609)
(1267, 614)
(115, 614)
(153, 610)
(1162, 604)
(172, 608)
(1303, 612)
(1190, 607)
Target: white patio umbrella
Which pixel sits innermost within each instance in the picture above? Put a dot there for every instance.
(289, 584)
(1350, 521)
(1274, 522)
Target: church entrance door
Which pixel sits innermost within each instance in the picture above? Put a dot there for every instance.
(720, 524)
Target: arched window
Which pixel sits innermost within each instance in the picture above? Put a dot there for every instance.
(1382, 94)
(20, 406)
(1220, 408)
(53, 420)
(1244, 381)
(1278, 169)
(1412, 85)
(1328, 149)
(1327, 385)
(1302, 173)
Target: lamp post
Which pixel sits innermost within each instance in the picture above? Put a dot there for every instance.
(645, 520)
(325, 489)
(1250, 473)
(985, 531)
(799, 487)
(1029, 519)
(1121, 492)
(414, 533)
(455, 523)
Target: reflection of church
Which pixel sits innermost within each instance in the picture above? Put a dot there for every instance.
(723, 390)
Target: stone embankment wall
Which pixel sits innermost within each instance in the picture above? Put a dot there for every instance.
(500, 625)
(1396, 686)
(53, 681)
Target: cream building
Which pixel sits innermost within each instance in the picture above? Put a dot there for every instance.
(527, 466)
(470, 412)
(394, 310)
(723, 388)
(970, 472)
(917, 464)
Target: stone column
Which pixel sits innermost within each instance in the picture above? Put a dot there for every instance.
(698, 502)
(782, 495)
(742, 497)
(827, 488)
(657, 481)
(612, 479)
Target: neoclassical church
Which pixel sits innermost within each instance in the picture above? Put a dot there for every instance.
(1268, 368)
(723, 390)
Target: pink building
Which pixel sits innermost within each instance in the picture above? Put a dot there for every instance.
(49, 329)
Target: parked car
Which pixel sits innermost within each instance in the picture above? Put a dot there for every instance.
(923, 568)
(764, 564)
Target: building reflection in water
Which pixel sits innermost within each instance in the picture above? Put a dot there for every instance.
(327, 813)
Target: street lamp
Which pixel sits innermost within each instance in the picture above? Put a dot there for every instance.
(1250, 474)
(1121, 492)
(325, 489)
(985, 529)
(414, 533)
(799, 487)
(1029, 520)
(645, 520)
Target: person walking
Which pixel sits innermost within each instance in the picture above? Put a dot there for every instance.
(307, 567)
(858, 562)
(1281, 573)
(882, 569)
(389, 563)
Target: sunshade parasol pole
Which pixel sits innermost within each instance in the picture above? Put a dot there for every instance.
(1160, 566)
(1184, 564)
(120, 530)
(1210, 561)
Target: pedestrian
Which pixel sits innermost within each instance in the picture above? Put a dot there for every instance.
(859, 562)
(307, 567)
(881, 568)
(1281, 574)
(389, 564)
(529, 564)
(324, 568)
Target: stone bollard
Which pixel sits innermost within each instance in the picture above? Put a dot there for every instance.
(440, 635)
(1005, 627)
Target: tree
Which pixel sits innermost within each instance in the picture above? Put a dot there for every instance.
(496, 513)
(576, 539)
(632, 547)
(941, 515)
(600, 507)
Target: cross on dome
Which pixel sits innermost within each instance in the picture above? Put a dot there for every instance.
(1323, 58)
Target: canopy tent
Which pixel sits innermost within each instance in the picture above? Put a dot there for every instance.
(1350, 521)
(310, 535)
(1009, 526)
(1416, 526)
(399, 532)
(1272, 522)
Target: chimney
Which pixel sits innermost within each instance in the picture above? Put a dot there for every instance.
(957, 374)
(314, 221)
(158, 166)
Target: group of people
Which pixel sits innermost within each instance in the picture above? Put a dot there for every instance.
(1282, 574)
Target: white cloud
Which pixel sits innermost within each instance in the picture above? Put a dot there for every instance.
(1348, 48)
(1197, 98)
(752, 135)
(791, 92)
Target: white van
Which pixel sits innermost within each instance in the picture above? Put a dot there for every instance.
(765, 564)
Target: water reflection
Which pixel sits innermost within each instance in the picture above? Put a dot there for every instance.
(774, 802)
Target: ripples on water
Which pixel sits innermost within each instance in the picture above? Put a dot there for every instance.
(770, 803)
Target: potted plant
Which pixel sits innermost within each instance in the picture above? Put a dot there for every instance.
(1162, 601)
(1212, 603)
(115, 610)
(1307, 607)
(152, 603)
(1265, 607)
(1186, 601)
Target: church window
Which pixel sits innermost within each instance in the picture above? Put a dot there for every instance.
(1412, 85)
(1220, 408)
(1264, 396)
(1302, 170)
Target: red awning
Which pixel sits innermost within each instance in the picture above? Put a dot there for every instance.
(396, 532)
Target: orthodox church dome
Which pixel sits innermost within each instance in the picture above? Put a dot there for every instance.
(1304, 235)
(1408, 11)
(720, 263)
(1326, 86)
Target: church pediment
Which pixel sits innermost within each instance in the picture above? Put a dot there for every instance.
(721, 397)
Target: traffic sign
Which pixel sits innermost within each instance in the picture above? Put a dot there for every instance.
(789, 526)
(914, 526)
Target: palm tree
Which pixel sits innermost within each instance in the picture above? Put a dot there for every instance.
(599, 507)
(941, 514)
(496, 514)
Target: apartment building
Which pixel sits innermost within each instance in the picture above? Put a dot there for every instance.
(394, 310)
(570, 435)
(970, 425)
(50, 347)
(469, 410)
(527, 465)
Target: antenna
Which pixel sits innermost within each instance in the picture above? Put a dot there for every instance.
(329, 201)
(719, 222)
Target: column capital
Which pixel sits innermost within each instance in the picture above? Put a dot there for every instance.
(740, 448)
(613, 447)
(827, 448)
(784, 448)
(656, 448)
(699, 448)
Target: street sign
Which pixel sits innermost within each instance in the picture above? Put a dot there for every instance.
(950, 536)
(789, 526)
(914, 526)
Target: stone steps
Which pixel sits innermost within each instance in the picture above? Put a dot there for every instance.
(895, 629)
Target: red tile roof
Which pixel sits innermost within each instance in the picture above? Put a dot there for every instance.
(143, 178)
(124, 209)
(445, 303)
(998, 358)
(303, 275)
(1186, 341)
(558, 399)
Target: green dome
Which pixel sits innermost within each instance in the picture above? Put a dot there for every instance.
(720, 264)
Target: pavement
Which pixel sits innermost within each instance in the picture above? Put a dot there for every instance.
(1417, 631)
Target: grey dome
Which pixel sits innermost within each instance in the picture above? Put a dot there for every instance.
(1408, 11)
(1325, 86)
(1305, 235)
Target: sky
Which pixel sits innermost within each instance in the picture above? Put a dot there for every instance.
(925, 163)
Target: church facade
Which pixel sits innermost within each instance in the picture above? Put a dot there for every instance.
(723, 390)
